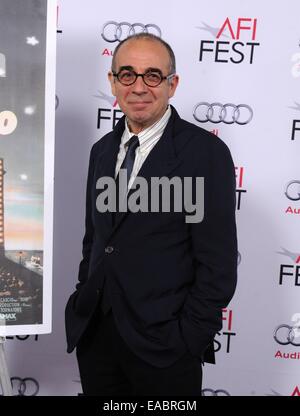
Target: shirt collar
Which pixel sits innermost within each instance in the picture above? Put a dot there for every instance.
(146, 135)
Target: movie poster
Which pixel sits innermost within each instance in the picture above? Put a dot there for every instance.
(27, 107)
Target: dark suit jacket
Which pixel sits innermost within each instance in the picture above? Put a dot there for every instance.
(167, 280)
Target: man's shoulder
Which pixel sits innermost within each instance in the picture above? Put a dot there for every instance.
(196, 137)
(101, 144)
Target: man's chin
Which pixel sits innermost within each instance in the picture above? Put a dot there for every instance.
(140, 106)
(138, 121)
(139, 116)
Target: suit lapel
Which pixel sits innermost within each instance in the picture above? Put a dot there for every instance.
(107, 163)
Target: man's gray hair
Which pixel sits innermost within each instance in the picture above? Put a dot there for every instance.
(149, 36)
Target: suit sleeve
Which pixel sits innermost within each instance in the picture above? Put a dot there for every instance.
(89, 226)
(214, 250)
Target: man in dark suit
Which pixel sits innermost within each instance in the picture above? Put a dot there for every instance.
(152, 284)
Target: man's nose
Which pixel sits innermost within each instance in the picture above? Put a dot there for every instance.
(139, 87)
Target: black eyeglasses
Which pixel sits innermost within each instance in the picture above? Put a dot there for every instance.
(151, 78)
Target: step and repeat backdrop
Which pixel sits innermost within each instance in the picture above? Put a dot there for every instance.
(239, 68)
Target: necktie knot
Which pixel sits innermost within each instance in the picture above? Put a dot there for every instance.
(132, 144)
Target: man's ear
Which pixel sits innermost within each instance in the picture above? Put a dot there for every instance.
(173, 85)
(111, 79)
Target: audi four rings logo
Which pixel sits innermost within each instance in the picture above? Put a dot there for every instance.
(116, 32)
(227, 113)
(24, 386)
(211, 392)
(293, 192)
(286, 334)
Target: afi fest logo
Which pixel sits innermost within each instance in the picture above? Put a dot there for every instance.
(234, 41)
(111, 113)
(57, 24)
(295, 392)
(239, 175)
(296, 122)
(290, 272)
(292, 192)
(227, 333)
(288, 336)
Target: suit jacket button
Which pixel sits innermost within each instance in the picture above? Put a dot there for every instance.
(109, 249)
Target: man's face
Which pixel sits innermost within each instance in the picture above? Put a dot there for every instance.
(143, 105)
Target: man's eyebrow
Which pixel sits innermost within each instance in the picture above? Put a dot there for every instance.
(130, 68)
(154, 70)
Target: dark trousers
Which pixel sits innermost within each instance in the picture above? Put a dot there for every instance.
(108, 367)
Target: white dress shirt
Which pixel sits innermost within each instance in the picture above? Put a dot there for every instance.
(147, 139)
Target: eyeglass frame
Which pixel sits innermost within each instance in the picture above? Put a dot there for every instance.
(167, 77)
